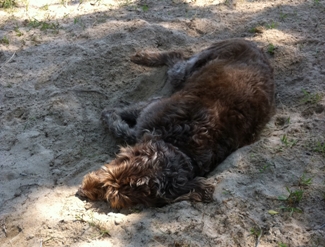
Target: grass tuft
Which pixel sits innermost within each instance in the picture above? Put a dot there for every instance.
(4, 40)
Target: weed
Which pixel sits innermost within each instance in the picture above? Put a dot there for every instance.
(287, 142)
(310, 98)
(252, 30)
(316, 2)
(43, 25)
(145, 8)
(291, 210)
(4, 40)
(282, 245)
(64, 2)
(46, 26)
(271, 49)
(226, 192)
(255, 231)
(45, 7)
(292, 201)
(90, 219)
(18, 32)
(287, 120)
(79, 21)
(7, 4)
(26, 2)
(136, 210)
(272, 25)
(320, 148)
(264, 168)
(257, 29)
(97, 2)
(303, 181)
(294, 196)
(34, 23)
(31, 121)
(283, 16)
(122, 3)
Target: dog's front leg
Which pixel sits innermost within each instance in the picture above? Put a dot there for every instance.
(199, 190)
(122, 122)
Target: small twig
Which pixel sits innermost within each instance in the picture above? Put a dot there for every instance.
(8, 61)
(4, 230)
(88, 91)
(322, 226)
(260, 233)
(41, 244)
(259, 237)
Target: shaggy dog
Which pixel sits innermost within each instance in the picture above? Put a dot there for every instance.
(225, 97)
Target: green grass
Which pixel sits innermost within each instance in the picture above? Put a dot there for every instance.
(265, 168)
(271, 25)
(255, 231)
(45, 7)
(283, 16)
(7, 4)
(123, 3)
(311, 98)
(4, 40)
(43, 26)
(145, 8)
(292, 201)
(320, 148)
(95, 223)
(304, 181)
(18, 32)
(287, 142)
(271, 49)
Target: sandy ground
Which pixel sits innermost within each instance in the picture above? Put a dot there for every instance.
(62, 63)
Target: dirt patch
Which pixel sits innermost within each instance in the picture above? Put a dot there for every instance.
(62, 63)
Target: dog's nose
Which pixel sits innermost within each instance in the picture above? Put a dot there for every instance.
(80, 193)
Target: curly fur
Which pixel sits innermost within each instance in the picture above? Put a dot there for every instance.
(225, 97)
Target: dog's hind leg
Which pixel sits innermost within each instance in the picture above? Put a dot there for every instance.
(156, 59)
(174, 60)
(179, 68)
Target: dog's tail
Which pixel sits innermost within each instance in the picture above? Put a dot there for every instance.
(155, 59)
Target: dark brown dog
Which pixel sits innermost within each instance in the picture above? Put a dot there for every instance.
(225, 98)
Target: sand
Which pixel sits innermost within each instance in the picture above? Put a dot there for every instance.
(63, 62)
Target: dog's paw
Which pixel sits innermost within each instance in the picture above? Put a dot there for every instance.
(109, 116)
(141, 58)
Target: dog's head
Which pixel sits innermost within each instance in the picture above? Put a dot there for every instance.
(128, 180)
(149, 173)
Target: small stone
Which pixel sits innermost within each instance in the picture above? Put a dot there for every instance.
(117, 221)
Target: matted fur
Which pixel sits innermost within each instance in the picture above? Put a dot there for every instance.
(225, 97)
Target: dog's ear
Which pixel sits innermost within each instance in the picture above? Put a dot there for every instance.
(200, 190)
